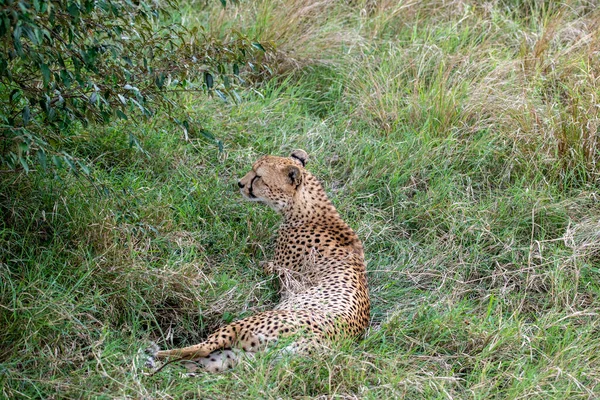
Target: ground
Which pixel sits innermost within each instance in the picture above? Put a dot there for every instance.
(458, 138)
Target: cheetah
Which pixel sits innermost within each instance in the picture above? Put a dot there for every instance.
(318, 259)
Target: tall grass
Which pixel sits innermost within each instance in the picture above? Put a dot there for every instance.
(458, 138)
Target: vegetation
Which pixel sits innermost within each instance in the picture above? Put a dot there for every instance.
(82, 62)
(459, 139)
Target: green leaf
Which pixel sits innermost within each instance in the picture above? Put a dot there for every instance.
(160, 80)
(24, 164)
(73, 10)
(33, 35)
(41, 155)
(56, 160)
(17, 40)
(141, 107)
(71, 164)
(208, 79)
(13, 95)
(65, 77)
(45, 73)
(18, 32)
(106, 115)
(258, 46)
(207, 134)
(26, 114)
(83, 167)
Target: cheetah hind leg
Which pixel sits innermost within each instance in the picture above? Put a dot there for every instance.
(218, 361)
(222, 360)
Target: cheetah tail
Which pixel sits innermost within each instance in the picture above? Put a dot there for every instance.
(186, 353)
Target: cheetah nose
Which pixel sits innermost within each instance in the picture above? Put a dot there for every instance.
(240, 184)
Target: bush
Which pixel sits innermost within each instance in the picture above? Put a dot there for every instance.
(82, 61)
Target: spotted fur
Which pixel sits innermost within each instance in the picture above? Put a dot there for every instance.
(318, 258)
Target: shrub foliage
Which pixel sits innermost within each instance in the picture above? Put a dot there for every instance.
(85, 61)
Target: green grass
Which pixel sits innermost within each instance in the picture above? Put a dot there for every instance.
(459, 140)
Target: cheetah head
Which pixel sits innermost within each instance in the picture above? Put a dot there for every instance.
(275, 180)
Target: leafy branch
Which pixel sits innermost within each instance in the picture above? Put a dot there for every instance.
(66, 62)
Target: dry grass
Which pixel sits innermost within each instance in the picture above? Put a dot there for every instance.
(297, 33)
(546, 98)
(542, 94)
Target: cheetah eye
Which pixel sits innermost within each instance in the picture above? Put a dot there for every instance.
(256, 177)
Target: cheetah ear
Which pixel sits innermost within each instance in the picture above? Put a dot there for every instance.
(300, 156)
(294, 174)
